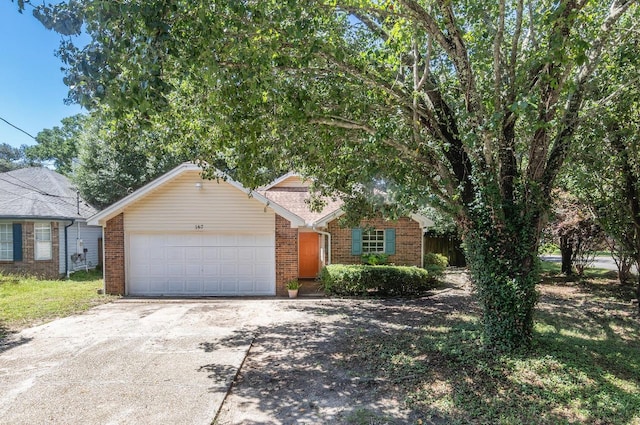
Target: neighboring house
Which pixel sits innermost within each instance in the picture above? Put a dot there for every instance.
(43, 225)
(181, 235)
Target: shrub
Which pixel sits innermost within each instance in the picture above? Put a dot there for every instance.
(375, 259)
(435, 263)
(339, 279)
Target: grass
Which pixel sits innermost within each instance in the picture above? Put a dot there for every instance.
(583, 367)
(605, 253)
(25, 301)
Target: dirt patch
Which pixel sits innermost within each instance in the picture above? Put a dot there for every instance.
(319, 370)
(419, 361)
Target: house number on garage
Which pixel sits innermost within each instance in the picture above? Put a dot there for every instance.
(199, 226)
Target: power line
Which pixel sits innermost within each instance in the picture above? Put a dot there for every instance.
(25, 183)
(18, 128)
(40, 192)
(61, 204)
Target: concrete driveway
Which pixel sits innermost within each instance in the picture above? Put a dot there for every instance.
(132, 362)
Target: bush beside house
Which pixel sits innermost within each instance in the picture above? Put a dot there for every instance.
(435, 264)
(340, 279)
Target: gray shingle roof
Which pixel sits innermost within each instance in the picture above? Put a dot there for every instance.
(38, 192)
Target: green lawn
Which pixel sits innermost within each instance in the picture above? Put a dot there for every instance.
(25, 301)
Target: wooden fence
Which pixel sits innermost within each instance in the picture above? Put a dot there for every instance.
(448, 246)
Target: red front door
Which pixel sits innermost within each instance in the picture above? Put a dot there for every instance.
(308, 255)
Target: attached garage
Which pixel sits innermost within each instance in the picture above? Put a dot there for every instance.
(201, 264)
(185, 236)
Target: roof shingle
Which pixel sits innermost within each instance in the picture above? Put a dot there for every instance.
(38, 192)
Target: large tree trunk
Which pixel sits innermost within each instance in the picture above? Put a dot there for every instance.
(566, 252)
(503, 263)
(638, 283)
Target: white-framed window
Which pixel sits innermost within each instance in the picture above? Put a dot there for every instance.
(6, 241)
(373, 241)
(43, 245)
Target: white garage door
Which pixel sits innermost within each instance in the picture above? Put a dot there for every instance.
(201, 264)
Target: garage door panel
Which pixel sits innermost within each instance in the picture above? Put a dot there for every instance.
(193, 286)
(246, 286)
(246, 272)
(228, 286)
(193, 270)
(193, 254)
(229, 270)
(264, 255)
(202, 264)
(229, 254)
(211, 270)
(210, 286)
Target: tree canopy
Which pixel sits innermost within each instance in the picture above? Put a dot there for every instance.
(468, 106)
(11, 158)
(58, 145)
(109, 167)
(606, 168)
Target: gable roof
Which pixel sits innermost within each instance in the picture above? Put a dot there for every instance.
(40, 193)
(297, 201)
(290, 180)
(423, 221)
(105, 215)
(292, 193)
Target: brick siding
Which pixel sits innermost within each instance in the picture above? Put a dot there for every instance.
(286, 255)
(114, 256)
(49, 269)
(408, 241)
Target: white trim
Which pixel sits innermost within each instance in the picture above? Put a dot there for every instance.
(384, 241)
(101, 218)
(324, 221)
(423, 221)
(279, 180)
(10, 242)
(104, 264)
(328, 248)
(37, 255)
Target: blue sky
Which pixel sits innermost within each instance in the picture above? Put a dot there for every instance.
(31, 89)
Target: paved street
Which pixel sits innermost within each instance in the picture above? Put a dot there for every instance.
(602, 262)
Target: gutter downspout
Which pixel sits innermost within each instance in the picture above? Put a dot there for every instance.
(104, 267)
(424, 229)
(66, 248)
(328, 235)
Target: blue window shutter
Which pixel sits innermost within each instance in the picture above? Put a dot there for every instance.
(356, 241)
(17, 242)
(390, 241)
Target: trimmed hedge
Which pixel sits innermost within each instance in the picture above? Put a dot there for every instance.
(340, 279)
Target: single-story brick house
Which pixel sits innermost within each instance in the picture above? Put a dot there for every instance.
(181, 235)
(43, 225)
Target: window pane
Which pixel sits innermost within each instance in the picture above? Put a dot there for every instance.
(373, 241)
(6, 241)
(43, 246)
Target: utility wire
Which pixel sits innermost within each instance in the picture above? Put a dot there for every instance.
(18, 128)
(40, 192)
(27, 184)
(52, 202)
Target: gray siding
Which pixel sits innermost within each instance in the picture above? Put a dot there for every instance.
(89, 236)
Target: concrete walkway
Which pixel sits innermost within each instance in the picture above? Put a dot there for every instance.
(130, 362)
